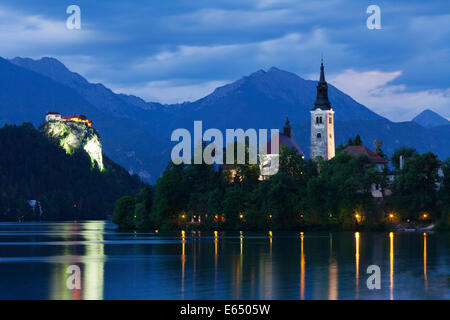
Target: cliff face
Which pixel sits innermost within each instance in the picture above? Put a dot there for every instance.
(74, 135)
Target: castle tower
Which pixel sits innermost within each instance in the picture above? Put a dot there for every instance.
(322, 122)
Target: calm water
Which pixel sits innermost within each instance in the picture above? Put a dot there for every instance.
(34, 258)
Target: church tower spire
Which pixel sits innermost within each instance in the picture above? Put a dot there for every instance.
(287, 128)
(322, 122)
(322, 92)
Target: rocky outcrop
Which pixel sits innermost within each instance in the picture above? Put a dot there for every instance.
(75, 135)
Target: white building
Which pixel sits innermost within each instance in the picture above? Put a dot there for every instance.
(322, 122)
(52, 116)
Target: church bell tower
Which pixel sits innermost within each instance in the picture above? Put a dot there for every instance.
(322, 122)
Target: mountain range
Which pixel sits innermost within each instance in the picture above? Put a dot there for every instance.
(136, 133)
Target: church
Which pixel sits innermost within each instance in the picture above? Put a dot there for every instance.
(322, 127)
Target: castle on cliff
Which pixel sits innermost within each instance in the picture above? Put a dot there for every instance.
(55, 116)
(75, 132)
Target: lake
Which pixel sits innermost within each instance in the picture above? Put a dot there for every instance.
(35, 257)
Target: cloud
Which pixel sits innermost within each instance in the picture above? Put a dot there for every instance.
(35, 33)
(238, 19)
(148, 45)
(396, 102)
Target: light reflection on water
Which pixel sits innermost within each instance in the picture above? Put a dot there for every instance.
(34, 258)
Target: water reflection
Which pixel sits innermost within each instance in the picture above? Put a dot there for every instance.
(35, 257)
(357, 263)
(270, 241)
(425, 260)
(183, 260)
(266, 274)
(391, 263)
(92, 263)
(332, 274)
(216, 240)
(302, 268)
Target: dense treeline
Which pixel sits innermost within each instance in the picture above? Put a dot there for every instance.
(66, 187)
(304, 193)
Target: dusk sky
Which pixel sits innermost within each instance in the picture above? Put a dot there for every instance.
(175, 51)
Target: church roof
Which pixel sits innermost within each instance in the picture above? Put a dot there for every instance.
(322, 101)
(284, 140)
(359, 150)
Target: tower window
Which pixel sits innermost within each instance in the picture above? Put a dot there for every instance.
(321, 120)
(330, 120)
(319, 135)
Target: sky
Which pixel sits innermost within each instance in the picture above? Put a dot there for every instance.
(178, 50)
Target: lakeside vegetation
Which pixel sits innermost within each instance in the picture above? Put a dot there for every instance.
(333, 194)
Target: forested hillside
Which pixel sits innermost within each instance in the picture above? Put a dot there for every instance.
(65, 187)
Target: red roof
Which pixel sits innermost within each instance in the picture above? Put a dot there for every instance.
(358, 150)
(284, 140)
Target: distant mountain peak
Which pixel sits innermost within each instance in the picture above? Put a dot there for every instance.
(273, 69)
(430, 119)
(50, 67)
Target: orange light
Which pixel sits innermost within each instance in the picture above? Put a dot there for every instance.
(425, 215)
(77, 119)
(270, 234)
(156, 231)
(391, 216)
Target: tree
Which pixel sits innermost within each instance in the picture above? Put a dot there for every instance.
(406, 152)
(283, 200)
(355, 142)
(234, 206)
(35, 167)
(341, 190)
(414, 188)
(444, 221)
(123, 214)
(170, 197)
(142, 211)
